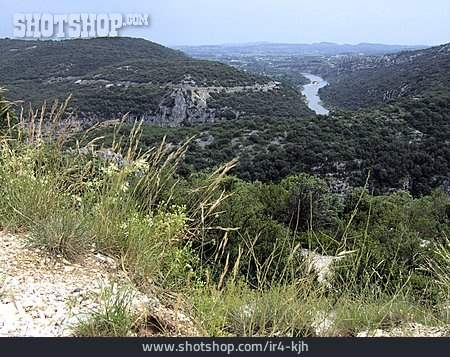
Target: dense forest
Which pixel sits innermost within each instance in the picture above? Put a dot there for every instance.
(403, 145)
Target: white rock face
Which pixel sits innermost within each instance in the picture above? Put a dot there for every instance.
(321, 264)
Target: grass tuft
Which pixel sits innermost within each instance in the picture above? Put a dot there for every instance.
(112, 318)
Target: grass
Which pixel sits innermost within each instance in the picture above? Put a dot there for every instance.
(124, 202)
(112, 318)
(304, 307)
(2, 286)
(356, 315)
(293, 310)
(238, 310)
(64, 233)
(439, 267)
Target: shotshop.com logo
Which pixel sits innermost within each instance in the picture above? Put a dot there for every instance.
(74, 25)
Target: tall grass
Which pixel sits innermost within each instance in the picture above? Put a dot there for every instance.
(117, 198)
(439, 267)
(286, 299)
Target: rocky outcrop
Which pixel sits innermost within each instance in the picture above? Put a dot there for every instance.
(189, 106)
(319, 263)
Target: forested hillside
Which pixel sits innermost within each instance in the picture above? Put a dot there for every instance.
(367, 81)
(404, 145)
(402, 139)
(221, 198)
(109, 77)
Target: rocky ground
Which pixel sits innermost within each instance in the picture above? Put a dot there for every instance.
(44, 296)
(409, 330)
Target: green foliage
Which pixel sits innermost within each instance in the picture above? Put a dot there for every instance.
(26, 198)
(392, 250)
(438, 265)
(282, 102)
(374, 313)
(62, 233)
(240, 311)
(256, 239)
(310, 205)
(231, 248)
(341, 148)
(403, 143)
(3, 113)
(8, 117)
(118, 200)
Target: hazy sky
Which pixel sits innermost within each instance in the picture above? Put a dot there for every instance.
(195, 22)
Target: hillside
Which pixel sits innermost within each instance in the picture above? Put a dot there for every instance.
(403, 145)
(109, 77)
(367, 81)
(273, 223)
(269, 128)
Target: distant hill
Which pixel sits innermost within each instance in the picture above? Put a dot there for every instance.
(112, 76)
(366, 81)
(267, 48)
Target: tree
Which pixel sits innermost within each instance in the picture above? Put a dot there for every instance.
(310, 204)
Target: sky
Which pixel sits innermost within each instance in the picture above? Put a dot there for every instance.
(200, 22)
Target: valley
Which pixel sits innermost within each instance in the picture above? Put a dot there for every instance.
(205, 192)
(268, 172)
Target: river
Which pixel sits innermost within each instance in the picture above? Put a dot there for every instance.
(311, 92)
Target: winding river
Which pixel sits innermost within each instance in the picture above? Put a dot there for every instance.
(311, 92)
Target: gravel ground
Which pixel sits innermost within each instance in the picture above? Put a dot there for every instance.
(44, 296)
(411, 329)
